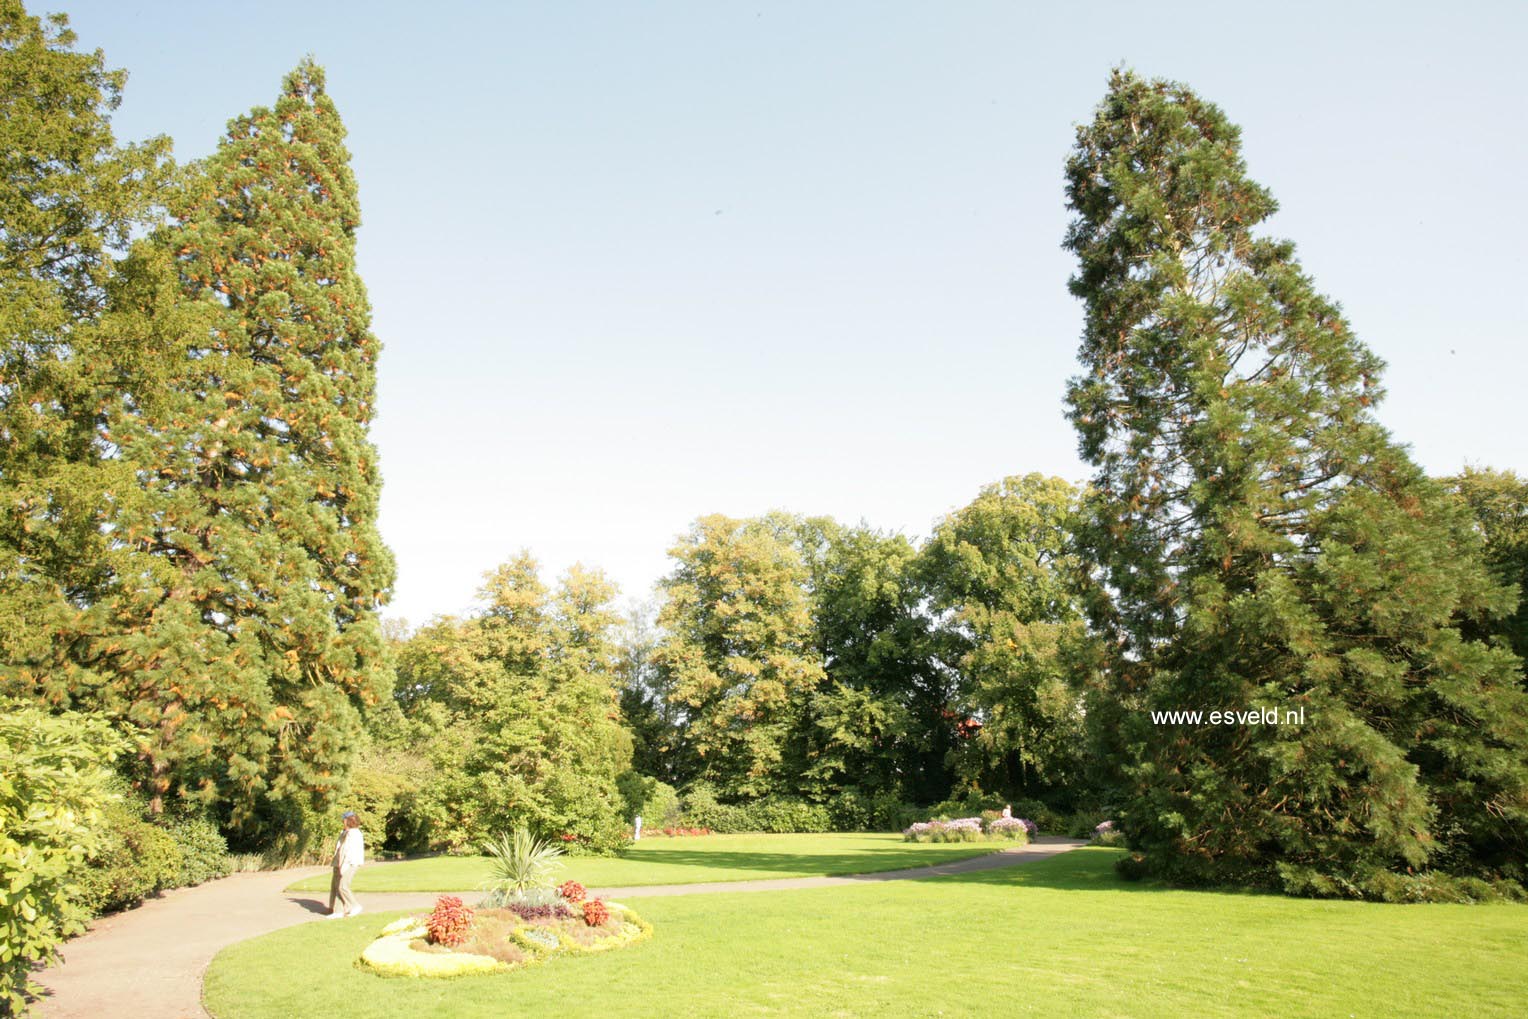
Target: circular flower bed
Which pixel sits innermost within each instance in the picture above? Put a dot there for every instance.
(498, 939)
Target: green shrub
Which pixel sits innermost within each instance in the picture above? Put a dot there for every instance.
(389, 788)
(772, 814)
(1388, 886)
(1050, 820)
(968, 804)
(134, 860)
(470, 805)
(292, 833)
(1084, 823)
(203, 851)
(700, 807)
(662, 804)
(1132, 867)
(852, 810)
(657, 803)
(53, 786)
(779, 814)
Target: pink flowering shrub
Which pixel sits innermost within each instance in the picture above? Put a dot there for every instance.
(1012, 828)
(971, 829)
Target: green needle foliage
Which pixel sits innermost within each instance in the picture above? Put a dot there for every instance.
(1267, 544)
(1499, 502)
(254, 641)
(189, 501)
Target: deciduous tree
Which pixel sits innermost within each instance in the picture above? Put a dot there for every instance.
(520, 702)
(70, 198)
(737, 650)
(879, 723)
(1001, 576)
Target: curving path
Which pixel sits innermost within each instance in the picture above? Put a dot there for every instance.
(147, 963)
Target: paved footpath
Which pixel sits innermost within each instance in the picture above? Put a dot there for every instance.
(147, 963)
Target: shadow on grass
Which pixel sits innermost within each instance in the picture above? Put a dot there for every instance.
(1088, 869)
(794, 864)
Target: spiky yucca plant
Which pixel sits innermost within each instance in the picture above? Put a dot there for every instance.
(521, 865)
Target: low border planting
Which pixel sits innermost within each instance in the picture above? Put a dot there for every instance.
(996, 828)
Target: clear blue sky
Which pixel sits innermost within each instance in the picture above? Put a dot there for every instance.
(634, 263)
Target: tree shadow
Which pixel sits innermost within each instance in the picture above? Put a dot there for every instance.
(847, 864)
(1087, 869)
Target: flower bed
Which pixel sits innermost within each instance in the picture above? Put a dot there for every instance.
(972, 829)
(1020, 828)
(501, 939)
(1108, 835)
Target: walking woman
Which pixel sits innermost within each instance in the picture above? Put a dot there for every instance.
(349, 854)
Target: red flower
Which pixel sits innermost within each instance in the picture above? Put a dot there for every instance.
(572, 891)
(595, 913)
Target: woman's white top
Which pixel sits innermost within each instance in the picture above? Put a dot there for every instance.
(350, 850)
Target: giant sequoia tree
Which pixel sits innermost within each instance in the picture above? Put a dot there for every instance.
(249, 647)
(1267, 544)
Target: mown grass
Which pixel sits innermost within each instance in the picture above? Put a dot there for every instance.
(659, 861)
(1059, 937)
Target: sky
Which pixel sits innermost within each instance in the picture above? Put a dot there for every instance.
(636, 263)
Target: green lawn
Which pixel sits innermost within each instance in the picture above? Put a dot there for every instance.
(1060, 937)
(662, 861)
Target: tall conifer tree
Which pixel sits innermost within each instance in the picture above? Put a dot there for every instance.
(258, 636)
(1269, 546)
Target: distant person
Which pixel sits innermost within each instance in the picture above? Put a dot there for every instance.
(349, 854)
